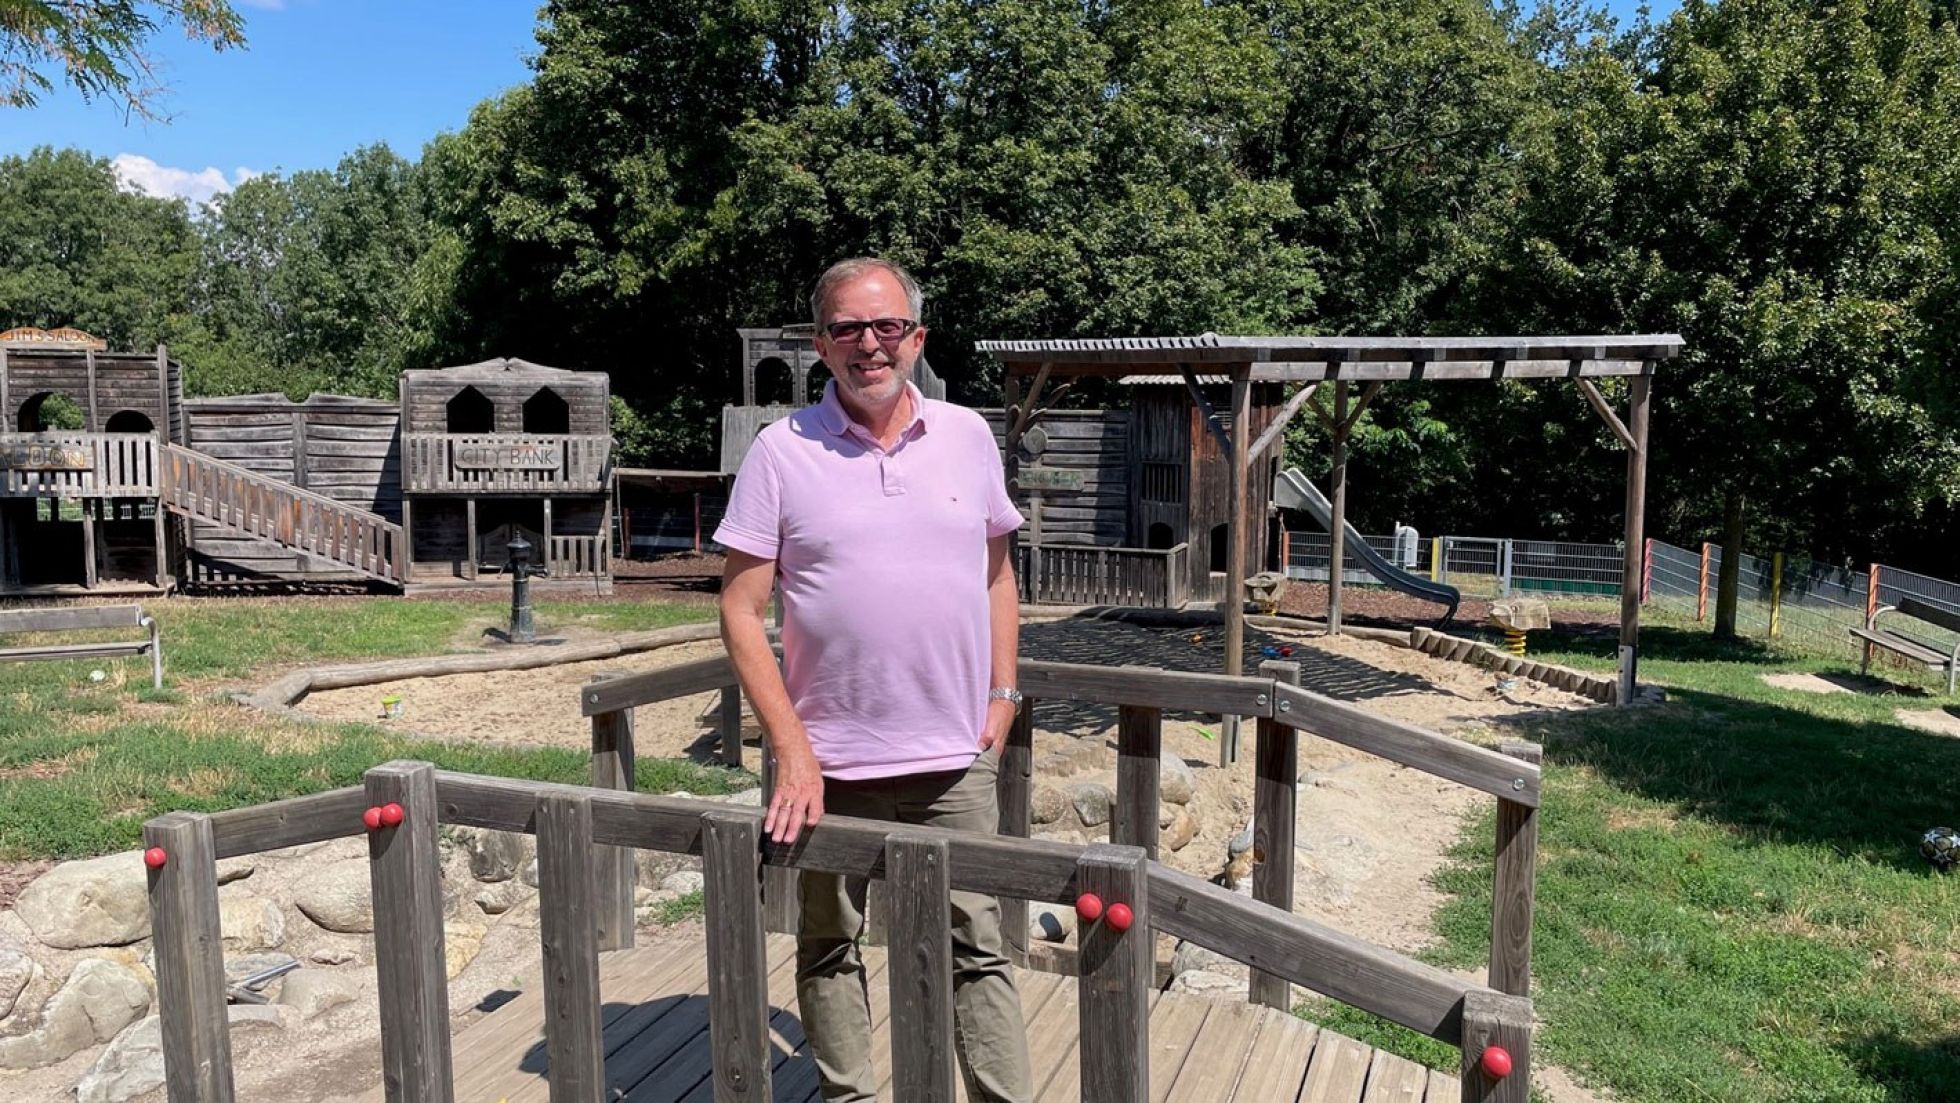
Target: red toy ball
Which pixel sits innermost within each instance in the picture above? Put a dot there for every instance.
(372, 817)
(392, 815)
(155, 857)
(1497, 1062)
(1119, 917)
(1088, 907)
(1285, 651)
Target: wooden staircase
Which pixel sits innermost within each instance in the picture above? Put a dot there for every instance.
(197, 485)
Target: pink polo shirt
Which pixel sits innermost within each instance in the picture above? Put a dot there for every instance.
(882, 557)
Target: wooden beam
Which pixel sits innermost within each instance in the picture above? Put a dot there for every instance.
(1337, 523)
(613, 868)
(1492, 1019)
(94, 420)
(1514, 886)
(167, 430)
(1204, 410)
(1139, 775)
(1235, 534)
(1636, 509)
(1464, 763)
(1598, 402)
(1015, 793)
(1023, 416)
(1321, 415)
(1279, 423)
(190, 960)
(1368, 394)
(1275, 809)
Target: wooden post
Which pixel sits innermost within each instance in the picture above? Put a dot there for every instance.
(1515, 885)
(1647, 571)
(921, 966)
(406, 873)
(613, 867)
(1641, 389)
(1117, 970)
(1139, 745)
(738, 965)
(1275, 797)
(730, 748)
(165, 427)
(1235, 534)
(190, 960)
(1016, 795)
(1493, 1020)
(90, 572)
(1776, 595)
(469, 535)
(1337, 524)
(697, 527)
(1436, 559)
(569, 896)
(94, 419)
(782, 901)
(1701, 585)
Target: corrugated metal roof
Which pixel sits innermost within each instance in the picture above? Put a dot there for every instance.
(1172, 380)
(1214, 348)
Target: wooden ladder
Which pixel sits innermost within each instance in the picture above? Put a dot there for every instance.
(205, 488)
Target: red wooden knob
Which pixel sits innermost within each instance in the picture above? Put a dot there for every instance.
(155, 857)
(372, 817)
(392, 815)
(1088, 907)
(1119, 917)
(1285, 651)
(1496, 1061)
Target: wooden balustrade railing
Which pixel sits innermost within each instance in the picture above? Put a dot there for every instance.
(62, 464)
(1079, 574)
(204, 487)
(586, 836)
(499, 462)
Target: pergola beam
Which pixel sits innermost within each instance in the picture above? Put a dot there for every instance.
(1278, 426)
(1393, 371)
(1210, 415)
(1598, 401)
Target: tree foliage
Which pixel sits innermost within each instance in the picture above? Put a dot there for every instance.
(101, 47)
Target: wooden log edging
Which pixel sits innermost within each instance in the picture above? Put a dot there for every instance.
(1604, 688)
(291, 689)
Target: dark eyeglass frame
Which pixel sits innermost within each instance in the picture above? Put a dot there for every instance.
(846, 332)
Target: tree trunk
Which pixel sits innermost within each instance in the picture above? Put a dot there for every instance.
(1731, 578)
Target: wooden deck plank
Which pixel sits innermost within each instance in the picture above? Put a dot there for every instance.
(1218, 1055)
(673, 1071)
(1051, 1032)
(1036, 991)
(1393, 1079)
(1065, 1084)
(1284, 1047)
(1172, 1030)
(1338, 1072)
(1443, 1088)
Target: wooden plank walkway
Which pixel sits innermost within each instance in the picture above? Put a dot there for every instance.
(656, 1043)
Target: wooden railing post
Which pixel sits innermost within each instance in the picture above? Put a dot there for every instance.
(782, 901)
(738, 966)
(1016, 795)
(1275, 799)
(1515, 886)
(921, 966)
(406, 874)
(190, 965)
(1490, 1020)
(613, 866)
(569, 932)
(1117, 969)
(1139, 745)
(731, 725)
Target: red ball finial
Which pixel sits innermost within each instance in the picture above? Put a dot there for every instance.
(372, 817)
(1119, 917)
(1496, 1061)
(1088, 907)
(392, 815)
(155, 857)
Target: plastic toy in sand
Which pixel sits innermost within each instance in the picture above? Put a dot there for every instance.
(1519, 615)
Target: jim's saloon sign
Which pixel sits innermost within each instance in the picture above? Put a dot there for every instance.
(510, 457)
(45, 457)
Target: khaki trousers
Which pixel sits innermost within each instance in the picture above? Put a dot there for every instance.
(830, 983)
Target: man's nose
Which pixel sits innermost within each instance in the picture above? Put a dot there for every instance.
(867, 341)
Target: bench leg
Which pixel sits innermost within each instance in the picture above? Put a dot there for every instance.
(1865, 663)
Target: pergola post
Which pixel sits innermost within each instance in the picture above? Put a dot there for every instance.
(1237, 470)
(1337, 524)
(1637, 414)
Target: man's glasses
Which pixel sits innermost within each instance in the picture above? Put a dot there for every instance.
(888, 331)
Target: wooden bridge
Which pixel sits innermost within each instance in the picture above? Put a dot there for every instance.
(610, 1019)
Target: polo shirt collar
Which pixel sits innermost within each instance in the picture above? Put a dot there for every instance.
(838, 421)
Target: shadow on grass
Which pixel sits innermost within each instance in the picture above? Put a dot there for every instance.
(1911, 1070)
(1838, 771)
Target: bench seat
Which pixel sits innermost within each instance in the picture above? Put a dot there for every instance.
(74, 650)
(83, 618)
(1902, 644)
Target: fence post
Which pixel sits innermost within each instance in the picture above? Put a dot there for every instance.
(1646, 570)
(1285, 552)
(782, 901)
(1275, 797)
(1701, 588)
(1139, 772)
(920, 966)
(1490, 1019)
(731, 725)
(1871, 610)
(1016, 796)
(1436, 560)
(1776, 595)
(1514, 885)
(190, 967)
(569, 934)
(1504, 568)
(613, 867)
(738, 961)
(406, 875)
(1117, 967)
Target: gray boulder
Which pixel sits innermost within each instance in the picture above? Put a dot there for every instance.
(1092, 801)
(17, 971)
(98, 1000)
(81, 905)
(1048, 805)
(1176, 784)
(314, 991)
(133, 1063)
(251, 922)
(1049, 922)
(498, 855)
(338, 897)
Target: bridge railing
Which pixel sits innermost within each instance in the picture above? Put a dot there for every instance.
(586, 836)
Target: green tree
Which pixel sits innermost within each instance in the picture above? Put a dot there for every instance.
(101, 47)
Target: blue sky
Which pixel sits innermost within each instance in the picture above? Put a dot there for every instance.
(317, 79)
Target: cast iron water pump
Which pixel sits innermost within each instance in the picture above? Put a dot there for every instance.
(522, 628)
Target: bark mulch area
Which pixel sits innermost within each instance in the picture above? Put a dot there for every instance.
(683, 576)
(1384, 608)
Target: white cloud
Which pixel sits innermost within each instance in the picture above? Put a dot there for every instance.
(139, 173)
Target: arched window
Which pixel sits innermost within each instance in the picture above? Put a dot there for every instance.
(547, 414)
(128, 421)
(1221, 547)
(47, 411)
(814, 382)
(471, 411)
(1159, 538)
(773, 383)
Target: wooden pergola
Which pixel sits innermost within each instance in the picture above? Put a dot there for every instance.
(1343, 362)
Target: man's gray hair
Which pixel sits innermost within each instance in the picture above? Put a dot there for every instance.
(844, 271)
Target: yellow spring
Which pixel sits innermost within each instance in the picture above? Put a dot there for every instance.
(1514, 640)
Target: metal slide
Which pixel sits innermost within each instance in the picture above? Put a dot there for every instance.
(1293, 490)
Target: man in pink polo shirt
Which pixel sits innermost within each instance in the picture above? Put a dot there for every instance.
(885, 517)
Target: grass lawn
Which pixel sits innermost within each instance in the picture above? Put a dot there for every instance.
(1730, 900)
(84, 763)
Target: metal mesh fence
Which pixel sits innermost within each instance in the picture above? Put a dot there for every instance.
(1562, 567)
(1307, 554)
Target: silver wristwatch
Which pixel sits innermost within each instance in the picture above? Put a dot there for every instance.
(1004, 693)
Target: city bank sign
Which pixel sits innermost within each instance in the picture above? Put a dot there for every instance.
(519, 456)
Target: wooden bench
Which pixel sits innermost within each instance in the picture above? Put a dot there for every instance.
(87, 616)
(1916, 650)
